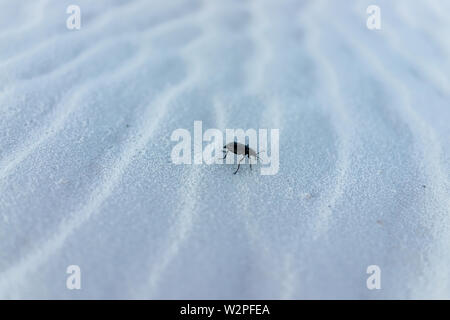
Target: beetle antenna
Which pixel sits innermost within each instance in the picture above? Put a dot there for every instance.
(257, 155)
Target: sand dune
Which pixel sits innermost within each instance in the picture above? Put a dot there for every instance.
(86, 176)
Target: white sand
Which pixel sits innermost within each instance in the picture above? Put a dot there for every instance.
(85, 172)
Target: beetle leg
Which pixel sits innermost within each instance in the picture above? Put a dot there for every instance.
(239, 164)
(226, 152)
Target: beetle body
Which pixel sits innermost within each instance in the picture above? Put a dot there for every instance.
(240, 149)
